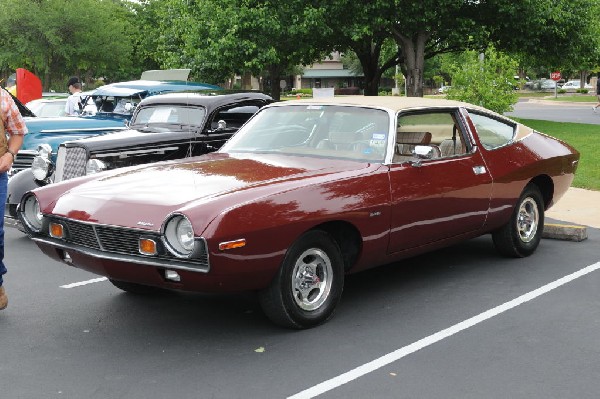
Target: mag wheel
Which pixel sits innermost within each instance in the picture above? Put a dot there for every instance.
(521, 236)
(308, 286)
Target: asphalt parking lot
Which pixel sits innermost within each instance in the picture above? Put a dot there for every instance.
(428, 327)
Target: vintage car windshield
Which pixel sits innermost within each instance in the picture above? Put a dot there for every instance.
(330, 131)
(169, 115)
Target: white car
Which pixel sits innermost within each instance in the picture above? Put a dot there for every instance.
(573, 85)
(46, 108)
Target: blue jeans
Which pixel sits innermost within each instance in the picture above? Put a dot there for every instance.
(3, 189)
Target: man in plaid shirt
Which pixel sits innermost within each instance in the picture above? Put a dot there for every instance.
(12, 130)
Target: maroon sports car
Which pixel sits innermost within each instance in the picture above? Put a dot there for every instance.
(304, 193)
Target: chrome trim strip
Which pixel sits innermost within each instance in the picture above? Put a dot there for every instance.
(104, 225)
(166, 263)
(89, 129)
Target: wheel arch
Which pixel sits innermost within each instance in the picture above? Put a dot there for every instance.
(546, 186)
(348, 239)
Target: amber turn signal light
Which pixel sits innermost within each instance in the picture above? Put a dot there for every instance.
(147, 246)
(232, 244)
(57, 230)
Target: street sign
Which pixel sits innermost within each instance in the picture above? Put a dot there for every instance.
(555, 76)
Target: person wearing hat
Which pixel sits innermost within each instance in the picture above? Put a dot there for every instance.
(12, 130)
(73, 105)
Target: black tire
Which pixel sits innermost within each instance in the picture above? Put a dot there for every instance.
(308, 285)
(137, 289)
(521, 236)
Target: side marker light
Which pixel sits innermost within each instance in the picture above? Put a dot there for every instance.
(224, 246)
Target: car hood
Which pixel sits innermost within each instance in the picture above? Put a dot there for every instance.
(143, 196)
(54, 131)
(134, 138)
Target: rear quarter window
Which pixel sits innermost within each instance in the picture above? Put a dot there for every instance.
(492, 133)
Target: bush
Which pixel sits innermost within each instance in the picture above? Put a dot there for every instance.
(302, 92)
(582, 91)
(561, 91)
(488, 83)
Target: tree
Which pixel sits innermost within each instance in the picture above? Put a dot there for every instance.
(220, 38)
(427, 28)
(58, 38)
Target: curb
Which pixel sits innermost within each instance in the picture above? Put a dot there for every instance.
(566, 232)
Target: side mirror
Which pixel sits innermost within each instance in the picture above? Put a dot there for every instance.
(423, 151)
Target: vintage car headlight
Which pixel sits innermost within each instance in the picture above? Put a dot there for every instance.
(32, 216)
(94, 166)
(42, 166)
(179, 236)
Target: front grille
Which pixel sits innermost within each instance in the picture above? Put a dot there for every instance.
(118, 240)
(82, 234)
(23, 161)
(122, 241)
(70, 163)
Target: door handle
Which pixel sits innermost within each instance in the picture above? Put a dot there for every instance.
(479, 170)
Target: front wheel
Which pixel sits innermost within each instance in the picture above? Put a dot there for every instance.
(309, 284)
(521, 236)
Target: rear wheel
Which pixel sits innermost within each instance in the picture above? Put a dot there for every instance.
(521, 236)
(138, 289)
(309, 284)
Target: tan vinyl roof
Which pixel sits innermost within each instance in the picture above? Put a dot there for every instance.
(390, 102)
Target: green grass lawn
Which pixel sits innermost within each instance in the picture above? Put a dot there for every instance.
(585, 138)
(564, 97)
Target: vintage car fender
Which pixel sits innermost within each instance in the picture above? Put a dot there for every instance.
(18, 185)
(271, 222)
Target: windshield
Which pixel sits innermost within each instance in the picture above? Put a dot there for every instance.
(169, 114)
(331, 131)
(116, 105)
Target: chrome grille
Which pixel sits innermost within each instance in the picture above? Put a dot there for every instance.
(23, 161)
(81, 234)
(118, 240)
(121, 241)
(70, 163)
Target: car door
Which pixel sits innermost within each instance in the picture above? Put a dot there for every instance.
(223, 123)
(442, 194)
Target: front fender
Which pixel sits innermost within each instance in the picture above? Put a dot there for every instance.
(19, 184)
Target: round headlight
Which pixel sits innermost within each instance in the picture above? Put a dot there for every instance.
(94, 166)
(41, 167)
(179, 236)
(44, 150)
(31, 213)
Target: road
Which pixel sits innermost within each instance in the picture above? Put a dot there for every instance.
(458, 323)
(558, 112)
(90, 340)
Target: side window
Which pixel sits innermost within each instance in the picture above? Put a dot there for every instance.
(233, 117)
(492, 132)
(438, 130)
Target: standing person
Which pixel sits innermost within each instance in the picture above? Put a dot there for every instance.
(73, 105)
(595, 107)
(12, 130)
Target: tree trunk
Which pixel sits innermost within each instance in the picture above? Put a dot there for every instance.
(368, 55)
(413, 52)
(275, 73)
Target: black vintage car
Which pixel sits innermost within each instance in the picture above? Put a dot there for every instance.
(163, 127)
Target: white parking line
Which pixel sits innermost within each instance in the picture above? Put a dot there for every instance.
(440, 335)
(79, 284)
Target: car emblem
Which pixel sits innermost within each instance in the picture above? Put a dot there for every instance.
(145, 224)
